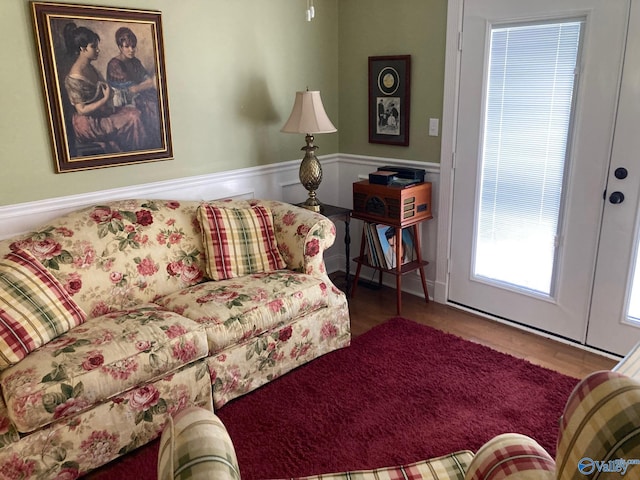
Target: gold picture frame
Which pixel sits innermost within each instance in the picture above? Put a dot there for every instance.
(104, 80)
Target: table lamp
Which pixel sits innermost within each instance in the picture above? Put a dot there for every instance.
(308, 117)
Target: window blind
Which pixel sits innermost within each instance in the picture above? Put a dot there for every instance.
(528, 111)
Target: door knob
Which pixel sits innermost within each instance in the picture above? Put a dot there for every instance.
(621, 173)
(616, 197)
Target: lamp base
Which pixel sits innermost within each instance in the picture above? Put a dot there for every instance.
(313, 205)
(310, 174)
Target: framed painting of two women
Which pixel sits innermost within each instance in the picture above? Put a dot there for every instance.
(104, 84)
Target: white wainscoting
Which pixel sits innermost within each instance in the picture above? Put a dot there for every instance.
(277, 181)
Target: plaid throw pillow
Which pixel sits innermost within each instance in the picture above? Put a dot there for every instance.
(238, 241)
(34, 307)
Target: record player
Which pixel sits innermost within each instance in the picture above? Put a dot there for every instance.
(392, 205)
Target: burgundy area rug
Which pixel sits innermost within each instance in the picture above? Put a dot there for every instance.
(402, 392)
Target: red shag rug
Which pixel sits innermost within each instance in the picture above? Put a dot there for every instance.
(402, 392)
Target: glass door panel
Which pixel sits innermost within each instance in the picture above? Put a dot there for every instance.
(528, 113)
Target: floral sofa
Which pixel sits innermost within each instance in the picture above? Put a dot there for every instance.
(117, 316)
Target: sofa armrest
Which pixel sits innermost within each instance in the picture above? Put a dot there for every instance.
(195, 444)
(511, 456)
(302, 236)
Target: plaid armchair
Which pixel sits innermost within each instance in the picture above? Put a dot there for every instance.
(599, 438)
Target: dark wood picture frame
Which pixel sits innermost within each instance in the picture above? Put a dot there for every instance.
(389, 99)
(103, 74)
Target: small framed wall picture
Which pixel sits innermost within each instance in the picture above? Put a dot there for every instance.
(389, 99)
(104, 80)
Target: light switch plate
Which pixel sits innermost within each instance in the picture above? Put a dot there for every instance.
(434, 126)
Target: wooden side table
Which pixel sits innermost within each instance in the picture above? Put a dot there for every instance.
(400, 208)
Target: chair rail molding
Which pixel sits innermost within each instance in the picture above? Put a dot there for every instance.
(277, 181)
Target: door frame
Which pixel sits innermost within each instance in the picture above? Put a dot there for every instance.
(447, 148)
(455, 10)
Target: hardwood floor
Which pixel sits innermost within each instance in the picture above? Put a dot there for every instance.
(371, 307)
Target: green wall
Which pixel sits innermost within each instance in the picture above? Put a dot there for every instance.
(398, 27)
(232, 69)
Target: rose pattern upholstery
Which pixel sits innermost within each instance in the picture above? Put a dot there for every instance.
(115, 256)
(76, 445)
(159, 335)
(240, 369)
(98, 360)
(233, 310)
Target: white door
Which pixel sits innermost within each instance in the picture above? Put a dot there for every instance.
(528, 202)
(614, 323)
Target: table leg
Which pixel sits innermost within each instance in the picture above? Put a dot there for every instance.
(416, 240)
(347, 245)
(357, 277)
(398, 253)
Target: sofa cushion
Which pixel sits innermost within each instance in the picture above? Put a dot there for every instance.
(238, 241)
(120, 254)
(70, 448)
(97, 360)
(34, 307)
(234, 311)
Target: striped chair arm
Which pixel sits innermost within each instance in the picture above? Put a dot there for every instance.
(511, 456)
(630, 364)
(195, 445)
(600, 428)
(447, 467)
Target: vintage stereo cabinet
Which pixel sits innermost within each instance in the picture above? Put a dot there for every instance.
(396, 206)
(392, 205)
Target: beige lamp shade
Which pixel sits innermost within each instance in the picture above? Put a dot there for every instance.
(308, 115)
